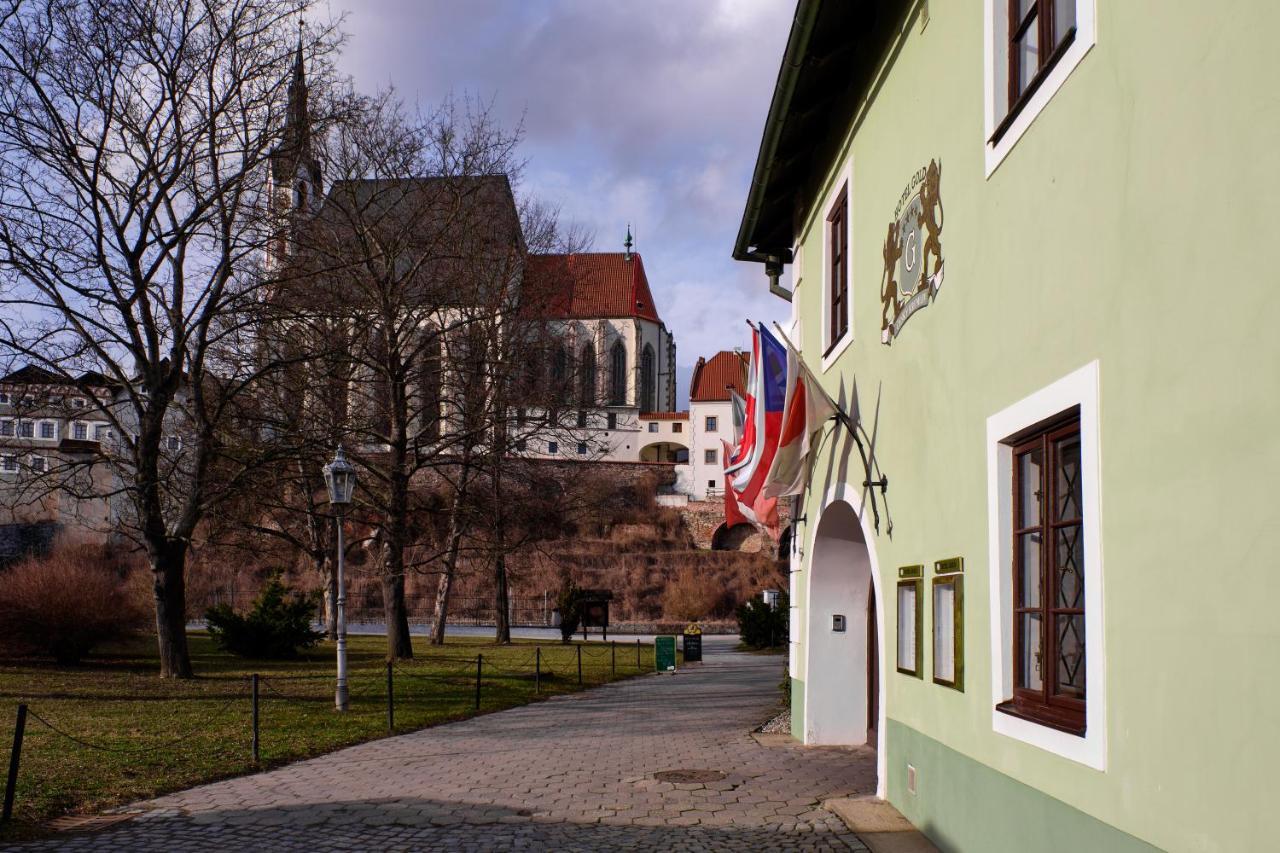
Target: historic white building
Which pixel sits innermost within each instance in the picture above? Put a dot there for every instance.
(711, 419)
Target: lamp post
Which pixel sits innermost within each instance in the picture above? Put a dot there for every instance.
(340, 480)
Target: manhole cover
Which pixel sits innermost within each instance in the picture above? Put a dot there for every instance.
(686, 777)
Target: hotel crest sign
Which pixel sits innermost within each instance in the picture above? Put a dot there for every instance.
(912, 252)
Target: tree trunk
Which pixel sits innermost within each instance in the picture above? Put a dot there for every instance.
(502, 600)
(329, 573)
(168, 570)
(394, 608)
(445, 584)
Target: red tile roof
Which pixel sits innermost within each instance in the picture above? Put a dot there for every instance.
(664, 416)
(589, 284)
(712, 379)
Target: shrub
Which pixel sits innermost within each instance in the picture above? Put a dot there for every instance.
(277, 626)
(568, 602)
(761, 627)
(690, 597)
(64, 604)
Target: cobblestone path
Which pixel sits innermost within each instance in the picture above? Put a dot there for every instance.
(572, 773)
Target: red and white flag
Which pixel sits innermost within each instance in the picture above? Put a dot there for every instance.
(806, 409)
(748, 466)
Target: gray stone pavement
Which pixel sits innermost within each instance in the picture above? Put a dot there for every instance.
(571, 773)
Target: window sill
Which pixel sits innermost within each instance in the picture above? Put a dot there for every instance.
(1048, 718)
(1033, 87)
(836, 350)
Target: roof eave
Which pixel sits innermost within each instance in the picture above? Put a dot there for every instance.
(792, 59)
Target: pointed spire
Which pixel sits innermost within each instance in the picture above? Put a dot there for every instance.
(627, 243)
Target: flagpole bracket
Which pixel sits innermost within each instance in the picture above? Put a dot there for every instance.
(883, 483)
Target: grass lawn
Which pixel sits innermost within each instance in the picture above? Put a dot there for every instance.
(153, 736)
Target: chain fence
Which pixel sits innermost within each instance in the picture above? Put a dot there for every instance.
(400, 684)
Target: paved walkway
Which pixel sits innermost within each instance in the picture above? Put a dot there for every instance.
(572, 773)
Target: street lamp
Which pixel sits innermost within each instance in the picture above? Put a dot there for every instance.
(340, 480)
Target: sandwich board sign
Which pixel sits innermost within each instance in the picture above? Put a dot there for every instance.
(664, 654)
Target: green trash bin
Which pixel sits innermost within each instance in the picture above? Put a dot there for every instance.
(664, 654)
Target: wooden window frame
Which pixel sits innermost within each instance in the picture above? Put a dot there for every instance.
(918, 585)
(1043, 706)
(710, 456)
(838, 271)
(1043, 11)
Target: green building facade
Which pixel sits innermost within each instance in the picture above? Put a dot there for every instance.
(1053, 306)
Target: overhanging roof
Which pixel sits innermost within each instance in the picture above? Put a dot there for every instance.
(830, 59)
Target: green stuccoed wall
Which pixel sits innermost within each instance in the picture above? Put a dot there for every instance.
(1133, 224)
(1009, 815)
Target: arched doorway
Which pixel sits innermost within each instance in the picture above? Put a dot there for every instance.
(664, 451)
(842, 677)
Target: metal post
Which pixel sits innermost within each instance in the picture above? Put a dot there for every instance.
(637, 652)
(579, 665)
(11, 785)
(613, 657)
(391, 702)
(340, 697)
(546, 617)
(479, 666)
(254, 680)
(537, 670)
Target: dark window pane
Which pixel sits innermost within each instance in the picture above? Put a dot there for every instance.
(1070, 677)
(1029, 465)
(1029, 565)
(1029, 654)
(1067, 503)
(1023, 7)
(1069, 555)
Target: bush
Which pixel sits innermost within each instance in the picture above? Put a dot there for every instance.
(762, 627)
(65, 603)
(690, 597)
(277, 626)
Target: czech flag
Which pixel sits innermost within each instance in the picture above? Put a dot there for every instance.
(806, 409)
(748, 467)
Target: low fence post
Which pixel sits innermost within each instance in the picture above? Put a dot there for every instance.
(613, 658)
(391, 702)
(479, 666)
(637, 652)
(537, 669)
(254, 679)
(579, 666)
(11, 784)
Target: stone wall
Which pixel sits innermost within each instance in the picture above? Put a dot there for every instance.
(704, 520)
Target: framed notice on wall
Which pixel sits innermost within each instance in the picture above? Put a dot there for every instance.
(948, 631)
(909, 606)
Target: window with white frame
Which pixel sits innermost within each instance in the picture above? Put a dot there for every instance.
(9, 463)
(80, 431)
(101, 432)
(48, 430)
(1046, 576)
(26, 429)
(838, 271)
(173, 443)
(39, 464)
(1032, 46)
(7, 429)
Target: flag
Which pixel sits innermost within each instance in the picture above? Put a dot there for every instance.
(766, 394)
(739, 406)
(806, 409)
(733, 513)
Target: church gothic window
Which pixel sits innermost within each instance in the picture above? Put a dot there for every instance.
(587, 377)
(618, 375)
(648, 380)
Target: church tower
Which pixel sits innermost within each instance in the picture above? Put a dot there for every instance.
(296, 180)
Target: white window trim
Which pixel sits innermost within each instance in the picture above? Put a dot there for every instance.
(13, 426)
(40, 424)
(1079, 388)
(4, 464)
(844, 182)
(43, 459)
(995, 30)
(72, 430)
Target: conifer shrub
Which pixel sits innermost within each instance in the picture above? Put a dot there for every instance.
(277, 626)
(762, 627)
(569, 603)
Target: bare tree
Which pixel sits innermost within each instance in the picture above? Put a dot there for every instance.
(135, 143)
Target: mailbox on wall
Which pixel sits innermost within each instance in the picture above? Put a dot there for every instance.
(837, 623)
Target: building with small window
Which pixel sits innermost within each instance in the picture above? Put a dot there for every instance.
(1020, 242)
(711, 418)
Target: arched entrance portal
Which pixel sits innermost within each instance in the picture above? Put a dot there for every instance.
(842, 679)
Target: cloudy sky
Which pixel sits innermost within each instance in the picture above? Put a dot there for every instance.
(648, 113)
